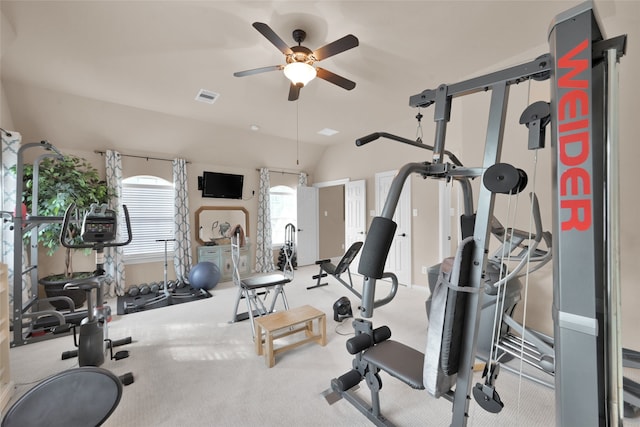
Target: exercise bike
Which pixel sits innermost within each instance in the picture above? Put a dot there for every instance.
(98, 231)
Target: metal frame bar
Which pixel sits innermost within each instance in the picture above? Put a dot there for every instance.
(616, 395)
(585, 226)
(482, 230)
(20, 225)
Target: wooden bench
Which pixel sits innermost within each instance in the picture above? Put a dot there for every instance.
(285, 323)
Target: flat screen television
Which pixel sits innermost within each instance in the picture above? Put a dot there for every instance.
(222, 185)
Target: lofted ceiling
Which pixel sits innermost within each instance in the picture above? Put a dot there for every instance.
(83, 74)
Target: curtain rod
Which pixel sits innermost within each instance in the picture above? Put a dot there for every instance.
(102, 153)
(283, 172)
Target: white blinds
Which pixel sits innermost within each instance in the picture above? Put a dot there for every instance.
(151, 211)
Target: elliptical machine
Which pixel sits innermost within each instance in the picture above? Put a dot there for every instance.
(99, 227)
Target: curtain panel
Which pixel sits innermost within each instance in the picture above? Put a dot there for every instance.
(264, 252)
(114, 257)
(302, 179)
(9, 155)
(182, 259)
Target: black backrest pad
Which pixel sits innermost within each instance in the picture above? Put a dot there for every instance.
(376, 247)
(467, 225)
(348, 257)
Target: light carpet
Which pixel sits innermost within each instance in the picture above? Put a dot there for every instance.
(194, 368)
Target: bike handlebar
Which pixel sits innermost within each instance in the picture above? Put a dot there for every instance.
(65, 226)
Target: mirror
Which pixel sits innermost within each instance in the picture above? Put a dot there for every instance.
(215, 224)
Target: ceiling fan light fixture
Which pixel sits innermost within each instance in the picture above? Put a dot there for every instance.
(300, 73)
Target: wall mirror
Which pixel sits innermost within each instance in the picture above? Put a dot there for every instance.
(214, 224)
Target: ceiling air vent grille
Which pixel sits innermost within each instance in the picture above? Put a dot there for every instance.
(207, 96)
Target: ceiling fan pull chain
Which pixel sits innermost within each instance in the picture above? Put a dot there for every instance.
(297, 134)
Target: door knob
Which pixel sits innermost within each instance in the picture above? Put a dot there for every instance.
(403, 235)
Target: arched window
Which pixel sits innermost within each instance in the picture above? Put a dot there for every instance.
(283, 211)
(150, 201)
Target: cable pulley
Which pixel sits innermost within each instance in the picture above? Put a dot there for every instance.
(536, 117)
(504, 178)
(488, 398)
(486, 394)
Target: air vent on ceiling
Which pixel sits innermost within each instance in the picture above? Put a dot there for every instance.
(207, 96)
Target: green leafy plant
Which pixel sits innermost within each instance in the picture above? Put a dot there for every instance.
(62, 181)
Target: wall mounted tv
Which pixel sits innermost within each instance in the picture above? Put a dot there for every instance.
(222, 185)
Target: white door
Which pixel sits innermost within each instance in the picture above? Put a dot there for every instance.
(307, 235)
(355, 215)
(399, 258)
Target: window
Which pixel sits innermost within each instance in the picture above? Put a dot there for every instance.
(150, 201)
(283, 211)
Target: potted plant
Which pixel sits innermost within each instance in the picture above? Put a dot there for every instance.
(62, 181)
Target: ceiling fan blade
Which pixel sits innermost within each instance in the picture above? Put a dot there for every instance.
(347, 42)
(294, 92)
(335, 79)
(266, 31)
(258, 70)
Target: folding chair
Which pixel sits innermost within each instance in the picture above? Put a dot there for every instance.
(256, 289)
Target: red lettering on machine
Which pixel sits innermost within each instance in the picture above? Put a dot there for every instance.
(574, 139)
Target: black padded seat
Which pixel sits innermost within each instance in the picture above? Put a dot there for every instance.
(265, 281)
(328, 266)
(398, 360)
(84, 396)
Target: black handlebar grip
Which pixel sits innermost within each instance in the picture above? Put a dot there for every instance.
(376, 247)
(367, 139)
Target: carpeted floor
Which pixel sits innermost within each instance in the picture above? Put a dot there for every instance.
(194, 368)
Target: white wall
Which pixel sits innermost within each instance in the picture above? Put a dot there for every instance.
(6, 121)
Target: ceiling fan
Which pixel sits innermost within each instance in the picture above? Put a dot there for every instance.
(299, 60)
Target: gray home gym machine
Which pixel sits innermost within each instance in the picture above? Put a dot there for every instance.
(588, 355)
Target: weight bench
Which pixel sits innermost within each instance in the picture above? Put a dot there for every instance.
(434, 370)
(255, 290)
(327, 268)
